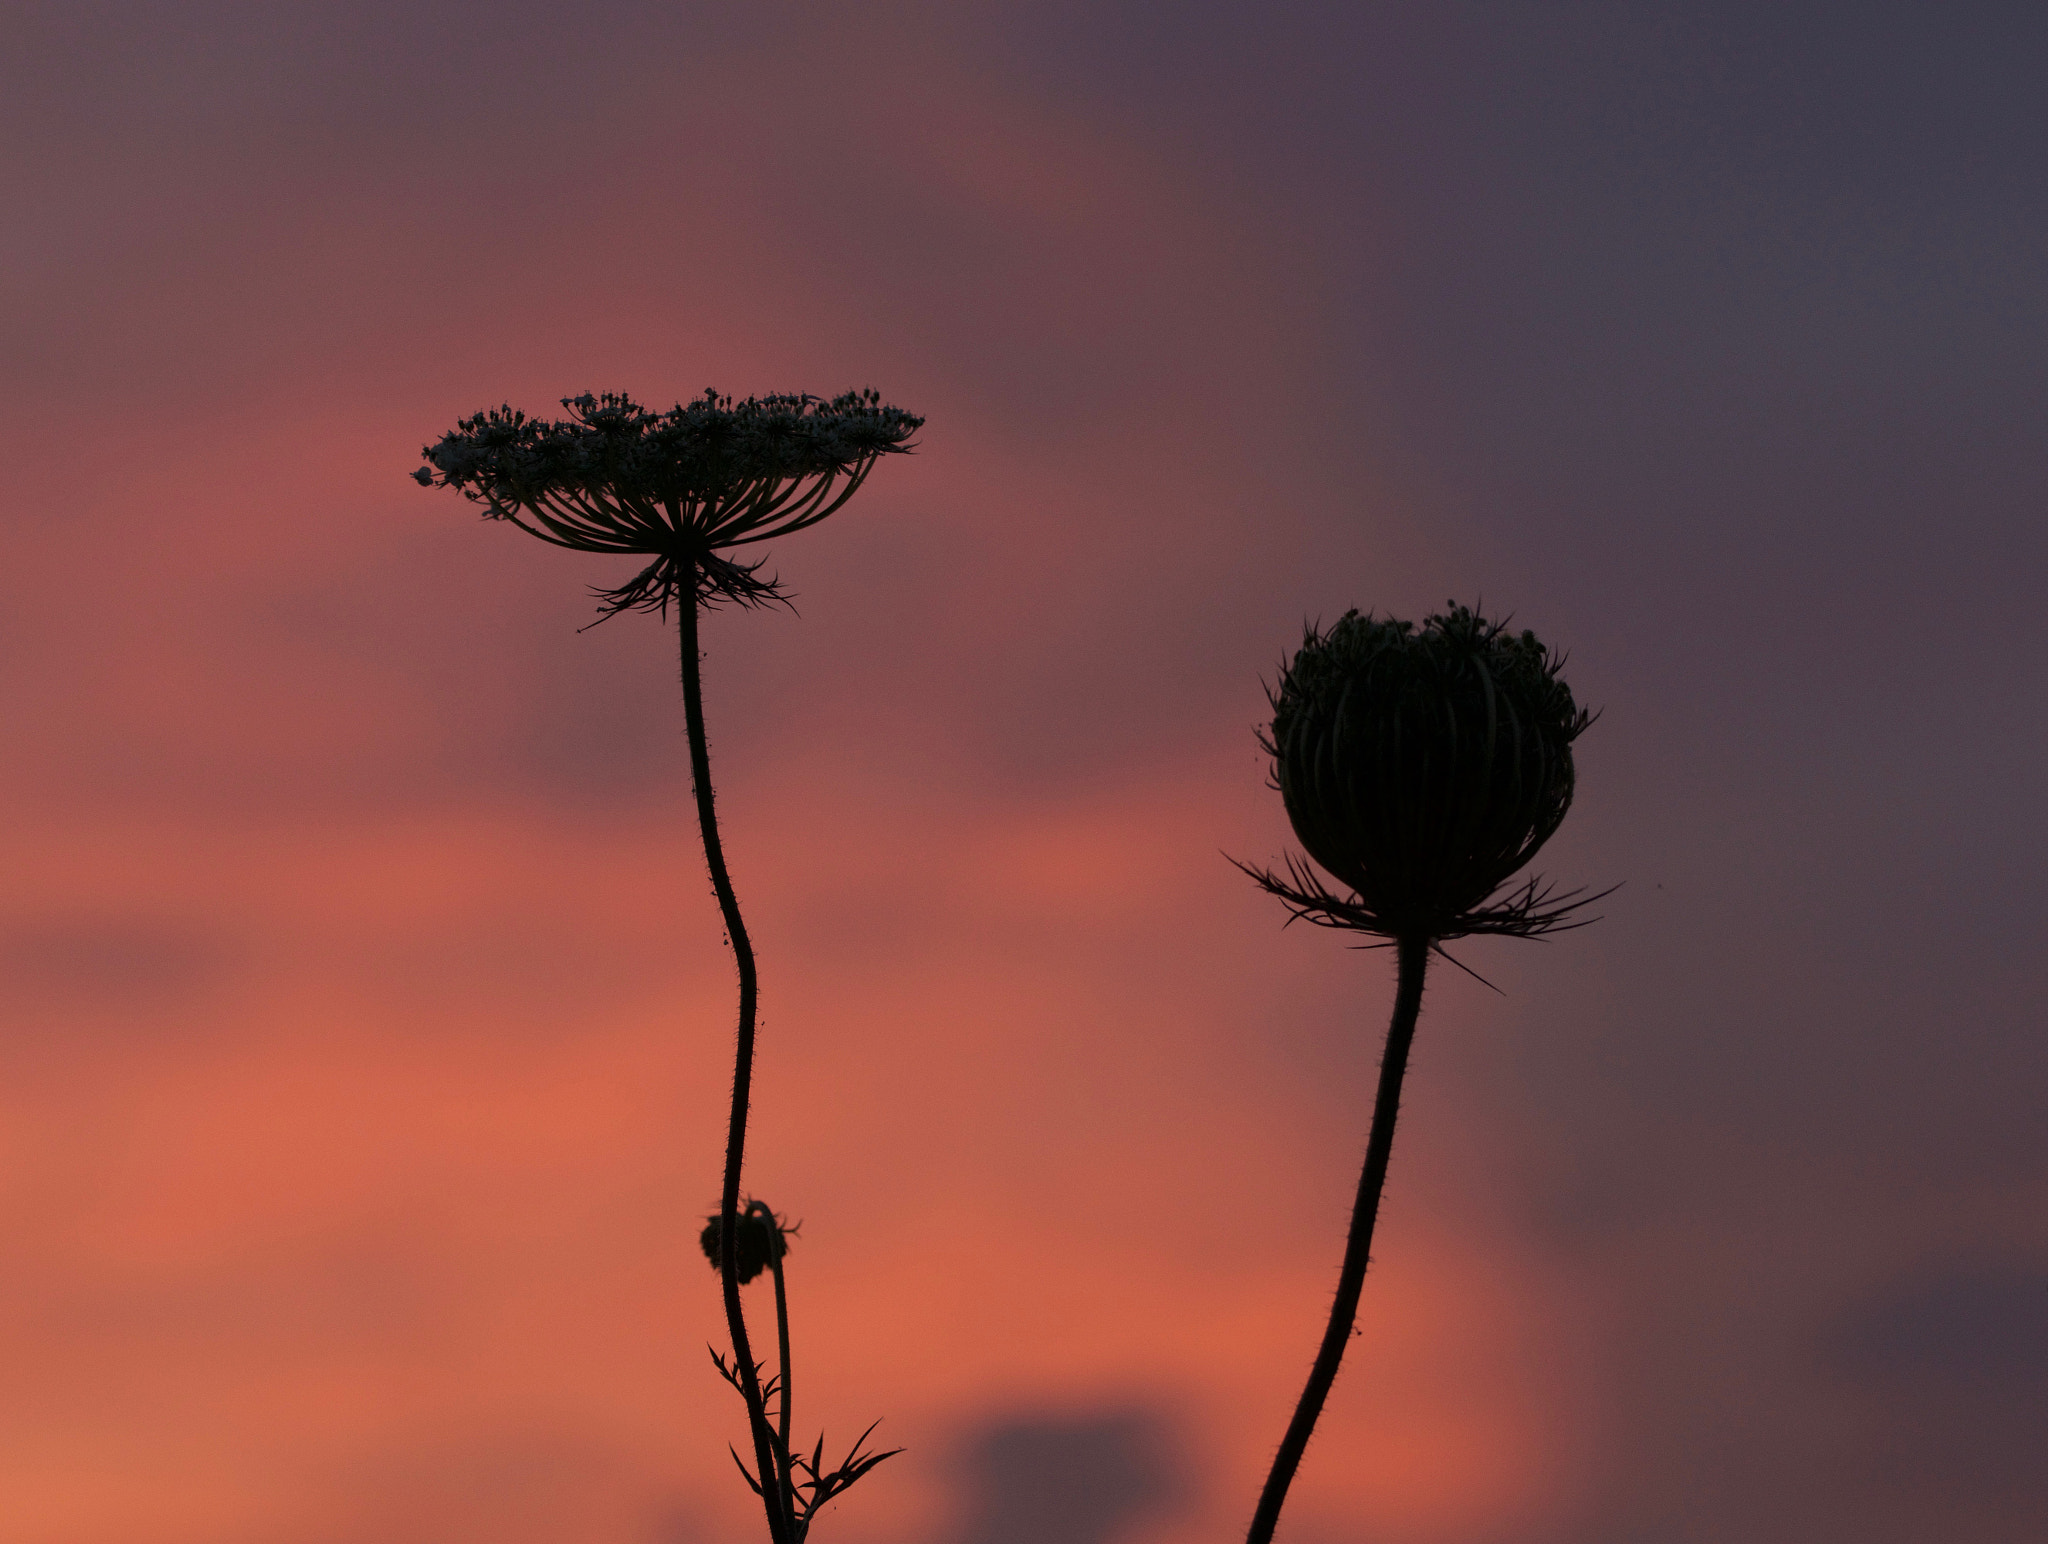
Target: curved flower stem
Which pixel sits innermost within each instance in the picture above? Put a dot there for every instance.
(1413, 957)
(772, 1491)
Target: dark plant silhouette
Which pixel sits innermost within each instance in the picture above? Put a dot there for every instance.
(683, 488)
(1421, 769)
(761, 1243)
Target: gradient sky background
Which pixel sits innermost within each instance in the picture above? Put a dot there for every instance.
(365, 1016)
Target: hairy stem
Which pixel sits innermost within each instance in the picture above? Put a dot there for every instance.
(1413, 955)
(773, 1493)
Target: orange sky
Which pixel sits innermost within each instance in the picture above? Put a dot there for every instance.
(367, 1022)
(395, 1129)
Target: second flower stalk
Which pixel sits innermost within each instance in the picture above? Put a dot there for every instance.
(797, 1484)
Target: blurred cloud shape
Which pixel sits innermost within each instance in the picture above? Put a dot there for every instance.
(1082, 1478)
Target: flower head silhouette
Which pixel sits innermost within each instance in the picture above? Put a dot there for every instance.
(761, 1241)
(683, 486)
(1422, 768)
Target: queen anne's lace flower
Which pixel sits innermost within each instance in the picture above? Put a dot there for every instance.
(682, 487)
(1422, 768)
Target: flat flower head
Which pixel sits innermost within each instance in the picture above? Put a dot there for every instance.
(1422, 768)
(682, 487)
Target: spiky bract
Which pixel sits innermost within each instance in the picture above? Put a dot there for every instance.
(681, 486)
(1422, 768)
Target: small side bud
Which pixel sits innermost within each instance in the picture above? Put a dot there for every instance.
(760, 1240)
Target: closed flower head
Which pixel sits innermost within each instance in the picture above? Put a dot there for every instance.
(760, 1238)
(682, 487)
(1422, 768)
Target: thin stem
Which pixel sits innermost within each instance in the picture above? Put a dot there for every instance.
(742, 1078)
(1413, 957)
(782, 1338)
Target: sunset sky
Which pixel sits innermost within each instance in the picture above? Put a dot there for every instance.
(364, 1016)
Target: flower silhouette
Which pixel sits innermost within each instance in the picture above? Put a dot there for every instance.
(1422, 769)
(682, 487)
